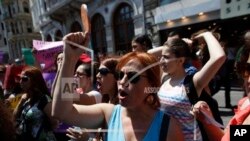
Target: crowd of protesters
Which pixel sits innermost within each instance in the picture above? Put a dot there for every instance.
(159, 93)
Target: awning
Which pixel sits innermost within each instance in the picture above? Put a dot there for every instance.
(185, 8)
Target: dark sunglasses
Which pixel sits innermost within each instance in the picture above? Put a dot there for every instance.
(130, 75)
(104, 71)
(24, 78)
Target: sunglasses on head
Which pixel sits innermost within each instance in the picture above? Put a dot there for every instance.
(104, 71)
(131, 76)
(24, 78)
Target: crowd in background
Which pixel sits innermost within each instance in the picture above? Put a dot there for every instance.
(148, 94)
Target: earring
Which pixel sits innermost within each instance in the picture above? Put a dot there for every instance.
(150, 99)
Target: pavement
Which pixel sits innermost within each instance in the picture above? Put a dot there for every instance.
(236, 94)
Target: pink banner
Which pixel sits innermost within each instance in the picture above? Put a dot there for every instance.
(46, 54)
(43, 45)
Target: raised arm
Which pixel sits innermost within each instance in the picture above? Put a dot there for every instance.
(63, 108)
(216, 60)
(156, 51)
(86, 99)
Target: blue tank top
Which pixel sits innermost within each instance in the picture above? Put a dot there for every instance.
(115, 129)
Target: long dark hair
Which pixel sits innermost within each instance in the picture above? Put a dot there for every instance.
(111, 64)
(38, 84)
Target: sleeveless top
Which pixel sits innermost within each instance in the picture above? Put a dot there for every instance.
(237, 119)
(115, 129)
(175, 102)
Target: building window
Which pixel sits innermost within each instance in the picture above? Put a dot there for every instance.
(58, 36)
(9, 10)
(17, 29)
(5, 41)
(45, 6)
(21, 26)
(19, 46)
(48, 38)
(29, 27)
(75, 27)
(12, 28)
(13, 10)
(2, 25)
(123, 28)
(98, 34)
(26, 7)
(7, 28)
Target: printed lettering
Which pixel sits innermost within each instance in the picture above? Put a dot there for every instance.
(66, 88)
(240, 132)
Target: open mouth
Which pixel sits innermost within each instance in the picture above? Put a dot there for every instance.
(122, 94)
(98, 85)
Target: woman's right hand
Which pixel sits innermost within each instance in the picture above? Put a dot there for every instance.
(24, 97)
(71, 41)
(77, 135)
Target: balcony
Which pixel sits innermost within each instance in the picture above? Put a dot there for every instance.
(58, 9)
(4, 2)
(21, 36)
(22, 15)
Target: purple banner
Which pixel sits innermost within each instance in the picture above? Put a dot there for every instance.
(1, 57)
(49, 78)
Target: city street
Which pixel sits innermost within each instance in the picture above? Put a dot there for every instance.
(226, 113)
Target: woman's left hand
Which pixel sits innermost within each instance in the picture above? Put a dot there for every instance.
(199, 109)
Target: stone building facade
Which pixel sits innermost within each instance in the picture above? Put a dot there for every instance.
(17, 29)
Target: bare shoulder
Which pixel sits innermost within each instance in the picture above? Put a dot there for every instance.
(107, 109)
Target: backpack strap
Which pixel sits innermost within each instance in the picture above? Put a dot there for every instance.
(164, 127)
(190, 89)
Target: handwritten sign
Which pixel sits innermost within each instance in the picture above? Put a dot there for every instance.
(46, 53)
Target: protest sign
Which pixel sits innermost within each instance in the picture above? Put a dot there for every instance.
(28, 56)
(46, 53)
